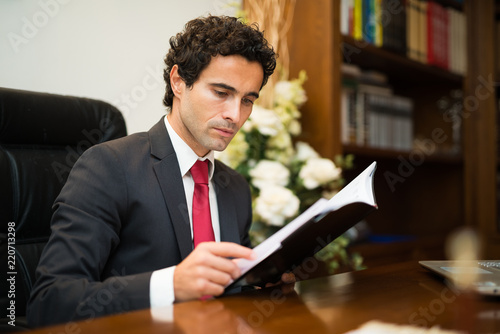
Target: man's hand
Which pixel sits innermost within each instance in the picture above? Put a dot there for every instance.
(208, 269)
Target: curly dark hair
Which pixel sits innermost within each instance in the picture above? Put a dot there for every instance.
(204, 38)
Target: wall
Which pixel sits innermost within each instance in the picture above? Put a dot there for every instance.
(111, 50)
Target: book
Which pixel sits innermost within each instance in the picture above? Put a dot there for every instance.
(390, 122)
(437, 35)
(371, 114)
(307, 234)
(348, 111)
(393, 18)
(358, 20)
(433, 26)
(345, 18)
(368, 17)
(379, 27)
(412, 29)
(445, 37)
(363, 91)
(422, 31)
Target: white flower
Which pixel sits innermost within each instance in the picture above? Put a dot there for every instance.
(283, 90)
(286, 112)
(294, 127)
(318, 171)
(280, 148)
(268, 172)
(305, 151)
(281, 140)
(264, 120)
(275, 204)
(291, 91)
(282, 155)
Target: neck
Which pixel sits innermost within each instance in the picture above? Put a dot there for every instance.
(176, 124)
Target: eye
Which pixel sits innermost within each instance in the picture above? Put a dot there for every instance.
(247, 102)
(220, 93)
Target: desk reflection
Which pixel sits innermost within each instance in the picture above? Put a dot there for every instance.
(267, 309)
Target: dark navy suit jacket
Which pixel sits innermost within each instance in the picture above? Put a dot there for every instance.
(121, 215)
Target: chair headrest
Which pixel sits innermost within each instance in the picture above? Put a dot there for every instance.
(47, 119)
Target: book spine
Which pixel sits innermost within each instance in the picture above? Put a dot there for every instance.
(379, 29)
(463, 39)
(360, 118)
(352, 117)
(386, 32)
(348, 111)
(344, 17)
(413, 29)
(441, 37)
(452, 40)
(445, 36)
(351, 18)
(431, 33)
(409, 18)
(401, 28)
(423, 31)
(358, 20)
(368, 21)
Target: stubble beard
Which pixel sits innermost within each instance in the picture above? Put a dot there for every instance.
(219, 143)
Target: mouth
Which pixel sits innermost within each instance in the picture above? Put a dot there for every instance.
(224, 132)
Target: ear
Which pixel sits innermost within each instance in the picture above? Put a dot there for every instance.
(176, 81)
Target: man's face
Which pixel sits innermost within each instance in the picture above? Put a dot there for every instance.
(208, 114)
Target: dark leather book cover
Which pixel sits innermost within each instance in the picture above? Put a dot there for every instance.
(309, 233)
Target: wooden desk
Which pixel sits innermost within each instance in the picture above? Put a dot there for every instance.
(401, 293)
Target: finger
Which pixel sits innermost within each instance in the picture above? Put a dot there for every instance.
(222, 264)
(210, 288)
(229, 249)
(216, 276)
(288, 278)
(287, 288)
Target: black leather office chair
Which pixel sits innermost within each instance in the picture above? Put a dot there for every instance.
(41, 137)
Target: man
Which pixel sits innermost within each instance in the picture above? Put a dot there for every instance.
(122, 231)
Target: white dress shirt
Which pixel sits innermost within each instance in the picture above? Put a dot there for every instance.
(161, 289)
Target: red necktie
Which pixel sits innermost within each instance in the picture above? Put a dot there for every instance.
(202, 222)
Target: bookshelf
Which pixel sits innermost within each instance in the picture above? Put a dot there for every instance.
(420, 193)
(397, 66)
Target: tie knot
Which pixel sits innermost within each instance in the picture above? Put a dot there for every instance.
(199, 171)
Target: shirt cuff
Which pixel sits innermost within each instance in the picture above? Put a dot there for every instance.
(161, 287)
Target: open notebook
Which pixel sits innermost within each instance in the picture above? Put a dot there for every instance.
(310, 232)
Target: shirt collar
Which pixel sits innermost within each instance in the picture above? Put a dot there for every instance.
(185, 155)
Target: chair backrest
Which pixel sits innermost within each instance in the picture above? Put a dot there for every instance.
(41, 137)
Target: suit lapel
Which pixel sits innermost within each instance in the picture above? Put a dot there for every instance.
(169, 177)
(227, 207)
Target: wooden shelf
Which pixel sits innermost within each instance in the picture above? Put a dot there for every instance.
(442, 158)
(397, 67)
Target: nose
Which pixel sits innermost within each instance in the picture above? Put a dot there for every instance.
(232, 112)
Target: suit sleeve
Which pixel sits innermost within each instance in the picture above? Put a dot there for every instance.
(85, 231)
